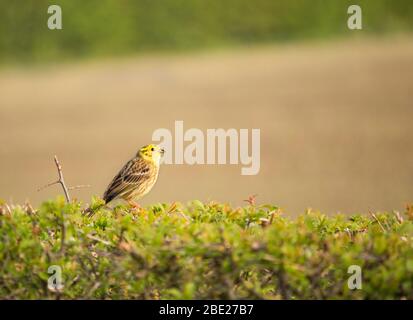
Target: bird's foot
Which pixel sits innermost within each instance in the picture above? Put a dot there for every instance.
(135, 206)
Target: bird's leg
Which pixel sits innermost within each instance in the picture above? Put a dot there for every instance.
(134, 205)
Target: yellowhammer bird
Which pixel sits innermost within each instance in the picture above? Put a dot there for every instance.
(137, 177)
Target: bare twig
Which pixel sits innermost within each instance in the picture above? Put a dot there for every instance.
(8, 208)
(378, 221)
(29, 209)
(92, 290)
(273, 213)
(91, 237)
(61, 180)
(80, 186)
(399, 218)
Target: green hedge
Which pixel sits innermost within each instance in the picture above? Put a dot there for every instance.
(205, 251)
(113, 27)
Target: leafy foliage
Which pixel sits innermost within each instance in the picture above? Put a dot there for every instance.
(204, 251)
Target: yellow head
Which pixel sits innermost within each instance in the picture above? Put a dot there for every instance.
(151, 153)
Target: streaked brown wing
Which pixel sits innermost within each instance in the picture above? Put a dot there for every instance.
(128, 179)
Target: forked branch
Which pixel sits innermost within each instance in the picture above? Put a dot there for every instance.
(61, 181)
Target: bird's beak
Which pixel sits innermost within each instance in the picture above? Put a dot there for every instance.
(162, 151)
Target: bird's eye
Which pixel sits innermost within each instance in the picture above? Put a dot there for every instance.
(152, 149)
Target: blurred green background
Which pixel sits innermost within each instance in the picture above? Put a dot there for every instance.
(116, 27)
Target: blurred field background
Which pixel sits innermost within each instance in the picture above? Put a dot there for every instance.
(334, 106)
